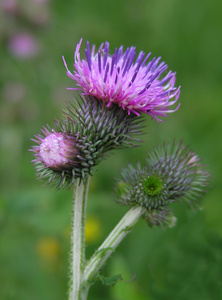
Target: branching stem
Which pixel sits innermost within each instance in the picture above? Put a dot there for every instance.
(82, 273)
(110, 244)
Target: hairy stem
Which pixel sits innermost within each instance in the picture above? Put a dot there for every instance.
(110, 244)
(80, 194)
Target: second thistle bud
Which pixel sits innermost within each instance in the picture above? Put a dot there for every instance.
(172, 173)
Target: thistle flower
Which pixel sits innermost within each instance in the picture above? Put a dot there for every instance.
(172, 173)
(136, 86)
(76, 145)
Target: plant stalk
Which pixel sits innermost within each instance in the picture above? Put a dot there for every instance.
(110, 244)
(80, 194)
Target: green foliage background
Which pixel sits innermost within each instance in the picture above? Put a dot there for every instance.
(184, 262)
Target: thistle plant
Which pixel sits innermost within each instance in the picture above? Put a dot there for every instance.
(116, 92)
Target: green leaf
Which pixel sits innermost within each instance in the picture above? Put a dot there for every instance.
(110, 281)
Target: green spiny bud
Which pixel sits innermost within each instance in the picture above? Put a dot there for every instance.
(172, 173)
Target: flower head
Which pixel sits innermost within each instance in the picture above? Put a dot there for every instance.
(172, 173)
(56, 150)
(65, 153)
(136, 85)
(56, 156)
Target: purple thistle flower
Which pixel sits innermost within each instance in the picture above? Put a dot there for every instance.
(56, 151)
(136, 85)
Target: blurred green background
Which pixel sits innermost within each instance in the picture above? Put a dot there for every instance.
(184, 262)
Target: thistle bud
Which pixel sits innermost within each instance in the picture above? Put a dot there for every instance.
(55, 156)
(181, 170)
(172, 173)
(57, 151)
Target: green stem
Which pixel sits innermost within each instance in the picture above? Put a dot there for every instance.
(80, 194)
(110, 244)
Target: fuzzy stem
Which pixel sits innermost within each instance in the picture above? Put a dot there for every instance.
(80, 193)
(110, 244)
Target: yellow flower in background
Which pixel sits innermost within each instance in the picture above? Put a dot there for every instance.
(48, 249)
(93, 229)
